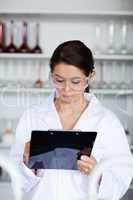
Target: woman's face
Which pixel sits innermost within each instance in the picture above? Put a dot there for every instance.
(69, 81)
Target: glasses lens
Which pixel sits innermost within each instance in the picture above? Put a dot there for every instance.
(74, 83)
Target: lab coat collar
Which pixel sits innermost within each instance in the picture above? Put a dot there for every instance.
(51, 116)
(93, 101)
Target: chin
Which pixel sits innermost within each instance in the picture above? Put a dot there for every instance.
(66, 98)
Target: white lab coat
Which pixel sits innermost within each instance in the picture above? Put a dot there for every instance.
(58, 184)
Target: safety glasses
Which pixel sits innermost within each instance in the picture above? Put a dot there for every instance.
(74, 83)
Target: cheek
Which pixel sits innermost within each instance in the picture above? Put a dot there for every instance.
(59, 91)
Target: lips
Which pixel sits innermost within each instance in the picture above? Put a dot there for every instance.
(66, 96)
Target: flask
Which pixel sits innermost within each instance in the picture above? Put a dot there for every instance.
(11, 48)
(37, 48)
(7, 138)
(2, 37)
(24, 48)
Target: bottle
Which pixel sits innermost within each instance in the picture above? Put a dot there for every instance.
(2, 37)
(7, 138)
(37, 48)
(39, 83)
(111, 49)
(11, 48)
(24, 48)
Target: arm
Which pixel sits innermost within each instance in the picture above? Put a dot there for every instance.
(110, 142)
(116, 179)
(19, 152)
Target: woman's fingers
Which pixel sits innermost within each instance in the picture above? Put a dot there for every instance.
(86, 164)
(83, 167)
(26, 152)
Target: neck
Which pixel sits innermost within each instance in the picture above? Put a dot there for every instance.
(77, 105)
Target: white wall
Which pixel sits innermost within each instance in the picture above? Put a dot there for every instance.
(63, 5)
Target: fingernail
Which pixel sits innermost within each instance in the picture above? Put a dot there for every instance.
(83, 158)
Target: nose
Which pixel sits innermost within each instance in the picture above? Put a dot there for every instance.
(67, 87)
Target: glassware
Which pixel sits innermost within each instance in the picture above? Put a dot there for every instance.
(39, 83)
(130, 75)
(19, 73)
(11, 48)
(123, 81)
(37, 48)
(7, 138)
(97, 38)
(18, 28)
(111, 38)
(97, 79)
(103, 68)
(124, 37)
(2, 37)
(24, 48)
(9, 77)
(2, 74)
(47, 75)
(114, 75)
(27, 82)
(130, 38)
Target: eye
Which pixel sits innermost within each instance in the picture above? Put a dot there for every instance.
(76, 81)
(59, 80)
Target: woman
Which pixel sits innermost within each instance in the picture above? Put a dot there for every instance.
(69, 107)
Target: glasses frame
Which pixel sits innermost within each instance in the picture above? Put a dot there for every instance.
(76, 88)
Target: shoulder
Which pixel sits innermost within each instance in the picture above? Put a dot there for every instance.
(38, 109)
(33, 119)
(111, 127)
(98, 110)
(109, 117)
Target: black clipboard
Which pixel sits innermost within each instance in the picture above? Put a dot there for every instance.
(59, 149)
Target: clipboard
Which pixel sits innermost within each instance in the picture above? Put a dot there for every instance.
(59, 149)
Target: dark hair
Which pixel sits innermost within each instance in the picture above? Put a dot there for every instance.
(73, 52)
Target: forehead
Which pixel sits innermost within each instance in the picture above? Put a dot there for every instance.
(68, 71)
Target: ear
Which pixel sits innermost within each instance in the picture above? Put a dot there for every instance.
(93, 75)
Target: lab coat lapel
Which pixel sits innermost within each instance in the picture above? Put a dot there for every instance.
(51, 117)
(87, 119)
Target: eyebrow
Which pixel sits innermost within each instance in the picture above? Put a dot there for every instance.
(76, 77)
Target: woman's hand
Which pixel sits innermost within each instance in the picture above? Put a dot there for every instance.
(86, 164)
(26, 153)
(26, 156)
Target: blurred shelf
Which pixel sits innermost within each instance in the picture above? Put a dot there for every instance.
(22, 56)
(4, 146)
(49, 90)
(126, 57)
(112, 91)
(84, 13)
(114, 57)
(25, 90)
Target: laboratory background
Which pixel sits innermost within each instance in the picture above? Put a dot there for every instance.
(31, 30)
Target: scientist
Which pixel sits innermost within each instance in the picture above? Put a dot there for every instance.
(69, 107)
